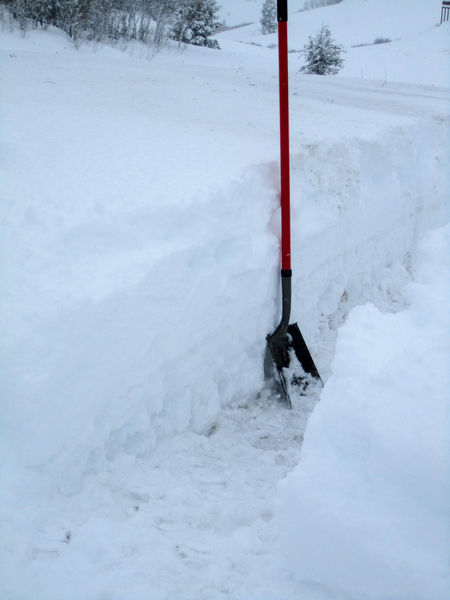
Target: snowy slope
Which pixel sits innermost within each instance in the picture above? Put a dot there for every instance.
(417, 52)
(140, 236)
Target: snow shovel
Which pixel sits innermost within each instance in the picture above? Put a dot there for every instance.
(286, 348)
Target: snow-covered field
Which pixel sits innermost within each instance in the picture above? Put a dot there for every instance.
(142, 454)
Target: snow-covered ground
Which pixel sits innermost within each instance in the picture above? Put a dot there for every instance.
(141, 451)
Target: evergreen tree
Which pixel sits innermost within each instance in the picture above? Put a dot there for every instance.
(323, 55)
(269, 17)
(196, 22)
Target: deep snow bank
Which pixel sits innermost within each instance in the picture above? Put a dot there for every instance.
(359, 208)
(366, 510)
(141, 241)
(118, 372)
(137, 302)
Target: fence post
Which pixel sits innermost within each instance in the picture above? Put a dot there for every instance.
(445, 11)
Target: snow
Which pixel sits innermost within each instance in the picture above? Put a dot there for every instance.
(141, 451)
(366, 510)
(237, 12)
(417, 52)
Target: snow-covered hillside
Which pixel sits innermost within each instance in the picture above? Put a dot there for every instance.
(141, 450)
(415, 49)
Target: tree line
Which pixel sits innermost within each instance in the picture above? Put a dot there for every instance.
(149, 21)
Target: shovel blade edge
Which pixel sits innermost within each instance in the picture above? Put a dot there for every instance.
(291, 371)
(302, 353)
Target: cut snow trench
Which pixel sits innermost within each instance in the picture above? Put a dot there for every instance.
(188, 335)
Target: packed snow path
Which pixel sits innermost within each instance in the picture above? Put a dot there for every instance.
(193, 520)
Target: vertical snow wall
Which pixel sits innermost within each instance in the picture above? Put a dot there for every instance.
(86, 381)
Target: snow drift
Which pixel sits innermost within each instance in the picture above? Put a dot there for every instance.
(366, 510)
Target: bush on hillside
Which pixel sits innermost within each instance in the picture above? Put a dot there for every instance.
(323, 54)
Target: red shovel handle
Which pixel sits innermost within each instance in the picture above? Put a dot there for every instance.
(284, 136)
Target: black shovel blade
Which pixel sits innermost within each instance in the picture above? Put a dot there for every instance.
(301, 351)
(292, 359)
